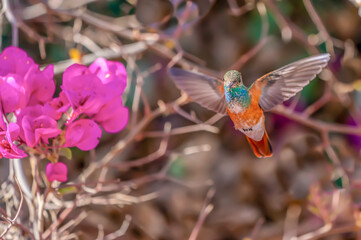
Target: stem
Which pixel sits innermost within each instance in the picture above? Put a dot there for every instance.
(19, 173)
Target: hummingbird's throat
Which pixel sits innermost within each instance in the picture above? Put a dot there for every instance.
(237, 96)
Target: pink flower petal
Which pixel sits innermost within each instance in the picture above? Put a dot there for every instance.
(12, 92)
(39, 85)
(39, 128)
(13, 131)
(56, 172)
(83, 89)
(56, 107)
(84, 134)
(14, 60)
(112, 74)
(10, 151)
(8, 148)
(113, 116)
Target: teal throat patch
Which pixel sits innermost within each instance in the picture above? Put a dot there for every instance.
(238, 95)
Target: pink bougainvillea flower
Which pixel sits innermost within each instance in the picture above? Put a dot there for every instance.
(39, 128)
(33, 111)
(96, 91)
(36, 126)
(7, 147)
(56, 107)
(93, 93)
(22, 82)
(113, 116)
(14, 60)
(39, 85)
(56, 172)
(83, 133)
(113, 76)
(12, 92)
(83, 89)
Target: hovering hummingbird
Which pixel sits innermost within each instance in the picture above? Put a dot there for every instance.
(245, 105)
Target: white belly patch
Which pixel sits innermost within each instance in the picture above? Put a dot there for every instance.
(256, 132)
(235, 108)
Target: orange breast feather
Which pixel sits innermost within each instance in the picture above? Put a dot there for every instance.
(251, 116)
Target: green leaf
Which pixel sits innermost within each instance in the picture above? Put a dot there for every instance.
(177, 169)
(66, 152)
(67, 190)
(338, 182)
(340, 179)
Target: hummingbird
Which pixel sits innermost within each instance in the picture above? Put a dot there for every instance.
(246, 105)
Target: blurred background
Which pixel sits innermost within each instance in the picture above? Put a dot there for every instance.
(184, 172)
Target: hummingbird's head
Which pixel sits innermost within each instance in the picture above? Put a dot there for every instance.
(232, 77)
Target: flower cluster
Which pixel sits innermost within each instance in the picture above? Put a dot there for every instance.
(31, 117)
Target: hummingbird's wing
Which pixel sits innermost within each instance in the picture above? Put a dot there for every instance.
(205, 90)
(283, 83)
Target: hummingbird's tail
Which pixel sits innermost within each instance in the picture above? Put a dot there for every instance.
(261, 148)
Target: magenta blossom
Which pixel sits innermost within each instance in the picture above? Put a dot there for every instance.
(113, 76)
(14, 60)
(96, 93)
(22, 82)
(92, 96)
(89, 89)
(36, 126)
(39, 85)
(83, 133)
(113, 116)
(56, 172)
(39, 129)
(83, 89)
(56, 107)
(7, 147)
(12, 92)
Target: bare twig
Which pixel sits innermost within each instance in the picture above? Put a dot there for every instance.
(321, 28)
(251, 53)
(150, 157)
(121, 231)
(291, 222)
(205, 211)
(288, 29)
(316, 124)
(12, 221)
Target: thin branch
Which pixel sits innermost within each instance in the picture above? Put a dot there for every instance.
(257, 228)
(264, 38)
(288, 29)
(291, 222)
(128, 139)
(57, 223)
(12, 221)
(16, 23)
(325, 98)
(73, 222)
(320, 26)
(182, 130)
(108, 53)
(150, 157)
(205, 211)
(238, 11)
(121, 231)
(328, 230)
(316, 124)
